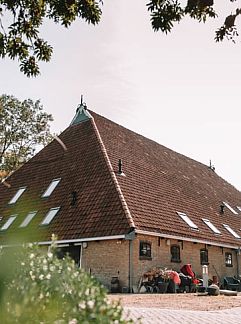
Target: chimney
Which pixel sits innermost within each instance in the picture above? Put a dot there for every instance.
(120, 168)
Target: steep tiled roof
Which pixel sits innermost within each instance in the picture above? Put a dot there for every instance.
(82, 168)
(158, 183)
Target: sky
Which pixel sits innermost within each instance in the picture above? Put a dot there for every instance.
(181, 90)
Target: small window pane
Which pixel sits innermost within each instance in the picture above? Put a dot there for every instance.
(17, 195)
(8, 223)
(230, 208)
(50, 215)
(239, 208)
(187, 220)
(228, 259)
(228, 228)
(51, 188)
(28, 219)
(211, 226)
(175, 253)
(145, 249)
(204, 257)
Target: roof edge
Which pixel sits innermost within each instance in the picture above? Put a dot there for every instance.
(183, 238)
(113, 176)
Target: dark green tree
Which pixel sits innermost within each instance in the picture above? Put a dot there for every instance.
(20, 21)
(23, 127)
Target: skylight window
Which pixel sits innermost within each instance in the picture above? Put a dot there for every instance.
(51, 188)
(187, 220)
(230, 208)
(17, 195)
(28, 219)
(8, 223)
(228, 228)
(50, 215)
(211, 226)
(239, 208)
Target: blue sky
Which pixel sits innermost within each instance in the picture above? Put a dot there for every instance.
(181, 90)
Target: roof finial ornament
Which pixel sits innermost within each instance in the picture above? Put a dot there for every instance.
(82, 113)
(82, 103)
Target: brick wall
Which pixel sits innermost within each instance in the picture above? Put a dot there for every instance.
(189, 253)
(107, 259)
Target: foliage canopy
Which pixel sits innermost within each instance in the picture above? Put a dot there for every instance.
(20, 22)
(37, 287)
(23, 126)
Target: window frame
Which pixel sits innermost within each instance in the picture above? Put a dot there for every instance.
(28, 219)
(188, 220)
(175, 256)
(48, 217)
(213, 228)
(8, 222)
(145, 246)
(231, 231)
(227, 263)
(17, 195)
(230, 208)
(204, 257)
(51, 187)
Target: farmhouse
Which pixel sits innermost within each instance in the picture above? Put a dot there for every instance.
(121, 204)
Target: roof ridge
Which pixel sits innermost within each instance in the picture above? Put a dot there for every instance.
(113, 176)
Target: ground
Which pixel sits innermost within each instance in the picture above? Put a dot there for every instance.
(180, 308)
(179, 301)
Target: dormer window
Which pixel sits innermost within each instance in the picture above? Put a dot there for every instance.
(230, 208)
(187, 220)
(28, 219)
(211, 226)
(228, 228)
(51, 188)
(17, 195)
(8, 223)
(50, 215)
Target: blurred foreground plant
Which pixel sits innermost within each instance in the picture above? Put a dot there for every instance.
(37, 287)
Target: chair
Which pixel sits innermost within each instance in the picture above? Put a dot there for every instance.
(231, 283)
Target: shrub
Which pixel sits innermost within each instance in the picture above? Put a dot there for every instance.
(37, 287)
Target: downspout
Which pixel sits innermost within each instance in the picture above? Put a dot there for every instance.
(130, 237)
(238, 263)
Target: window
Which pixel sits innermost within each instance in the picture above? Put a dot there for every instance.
(228, 228)
(228, 259)
(145, 250)
(230, 208)
(50, 215)
(204, 257)
(17, 195)
(51, 188)
(187, 220)
(175, 253)
(211, 226)
(8, 223)
(28, 219)
(239, 208)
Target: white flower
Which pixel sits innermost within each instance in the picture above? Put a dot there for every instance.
(82, 305)
(41, 277)
(31, 256)
(50, 255)
(73, 321)
(90, 303)
(48, 276)
(45, 268)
